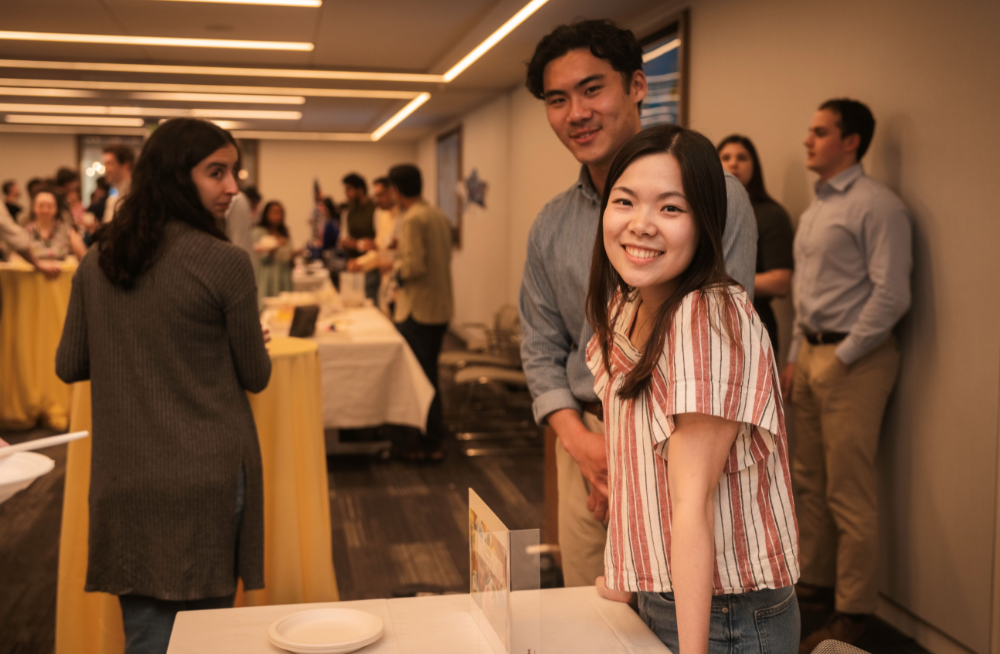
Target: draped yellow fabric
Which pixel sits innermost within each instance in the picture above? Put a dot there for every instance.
(31, 321)
(298, 555)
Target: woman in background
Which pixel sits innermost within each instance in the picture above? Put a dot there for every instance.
(51, 237)
(774, 230)
(274, 252)
(163, 321)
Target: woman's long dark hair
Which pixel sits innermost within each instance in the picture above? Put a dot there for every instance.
(755, 187)
(162, 190)
(704, 186)
(281, 227)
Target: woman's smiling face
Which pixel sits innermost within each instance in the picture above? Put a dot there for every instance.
(649, 232)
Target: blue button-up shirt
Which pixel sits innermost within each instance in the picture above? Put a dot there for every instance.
(554, 327)
(853, 257)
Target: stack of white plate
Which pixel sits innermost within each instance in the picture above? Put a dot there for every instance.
(17, 471)
(326, 631)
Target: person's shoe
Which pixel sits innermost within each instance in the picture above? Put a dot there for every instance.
(847, 628)
(814, 598)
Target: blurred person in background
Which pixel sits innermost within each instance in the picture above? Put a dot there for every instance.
(424, 303)
(240, 220)
(275, 252)
(381, 254)
(34, 184)
(73, 212)
(51, 237)
(99, 198)
(118, 160)
(357, 229)
(11, 194)
(163, 322)
(14, 237)
(774, 230)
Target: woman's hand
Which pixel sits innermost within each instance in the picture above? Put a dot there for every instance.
(267, 334)
(614, 595)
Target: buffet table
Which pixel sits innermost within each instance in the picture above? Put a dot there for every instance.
(32, 312)
(573, 621)
(298, 559)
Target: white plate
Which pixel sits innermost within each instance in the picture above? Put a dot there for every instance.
(17, 471)
(326, 631)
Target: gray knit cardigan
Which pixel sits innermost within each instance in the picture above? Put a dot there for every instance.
(169, 362)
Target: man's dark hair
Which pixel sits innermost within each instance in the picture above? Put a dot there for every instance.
(853, 118)
(33, 185)
(384, 181)
(603, 38)
(356, 181)
(407, 180)
(65, 176)
(8, 185)
(103, 183)
(123, 153)
(252, 194)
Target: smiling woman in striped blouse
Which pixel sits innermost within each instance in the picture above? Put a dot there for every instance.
(702, 524)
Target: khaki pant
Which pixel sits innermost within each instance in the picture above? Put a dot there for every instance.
(838, 417)
(581, 536)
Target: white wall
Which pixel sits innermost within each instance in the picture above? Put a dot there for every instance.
(24, 156)
(928, 70)
(286, 171)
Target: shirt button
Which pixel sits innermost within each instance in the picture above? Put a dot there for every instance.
(725, 609)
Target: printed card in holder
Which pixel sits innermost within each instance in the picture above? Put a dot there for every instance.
(352, 289)
(504, 583)
(304, 321)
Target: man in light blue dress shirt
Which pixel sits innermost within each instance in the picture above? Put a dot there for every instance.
(853, 257)
(592, 103)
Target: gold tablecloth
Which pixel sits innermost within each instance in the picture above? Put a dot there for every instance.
(32, 312)
(298, 555)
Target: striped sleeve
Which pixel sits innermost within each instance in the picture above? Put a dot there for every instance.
(706, 370)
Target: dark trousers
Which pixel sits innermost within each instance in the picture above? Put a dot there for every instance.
(426, 341)
(149, 621)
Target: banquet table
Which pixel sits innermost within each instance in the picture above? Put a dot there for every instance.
(298, 559)
(572, 621)
(32, 312)
(370, 375)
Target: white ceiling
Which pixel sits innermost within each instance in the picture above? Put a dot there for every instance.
(413, 36)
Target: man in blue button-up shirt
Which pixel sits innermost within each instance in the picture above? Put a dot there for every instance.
(853, 257)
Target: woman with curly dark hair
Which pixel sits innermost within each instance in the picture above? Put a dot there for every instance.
(163, 322)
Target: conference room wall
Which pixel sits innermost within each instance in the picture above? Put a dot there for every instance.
(25, 156)
(286, 170)
(928, 71)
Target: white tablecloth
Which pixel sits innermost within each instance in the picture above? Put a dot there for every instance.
(370, 375)
(573, 621)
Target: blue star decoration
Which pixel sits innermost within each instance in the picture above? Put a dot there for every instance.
(475, 189)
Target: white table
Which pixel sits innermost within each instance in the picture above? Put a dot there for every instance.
(370, 377)
(573, 621)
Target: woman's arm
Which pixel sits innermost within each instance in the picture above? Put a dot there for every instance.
(73, 354)
(772, 283)
(246, 338)
(696, 456)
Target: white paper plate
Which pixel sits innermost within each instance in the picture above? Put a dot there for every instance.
(325, 631)
(17, 471)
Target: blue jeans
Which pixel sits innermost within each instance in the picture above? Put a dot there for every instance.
(759, 622)
(149, 621)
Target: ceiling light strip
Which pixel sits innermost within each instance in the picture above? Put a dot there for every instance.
(46, 93)
(69, 129)
(244, 114)
(303, 136)
(400, 116)
(222, 71)
(116, 39)
(268, 92)
(493, 39)
(104, 121)
(276, 3)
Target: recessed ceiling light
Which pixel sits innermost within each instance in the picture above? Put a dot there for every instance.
(233, 92)
(276, 3)
(401, 115)
(223, 71)
(493, 39)
(303, 136)
(75, 120)
(246, 114)
(115, 39)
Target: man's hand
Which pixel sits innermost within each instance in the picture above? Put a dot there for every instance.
(598, 504)
(787, 381)
(352, 265)
(586, 447)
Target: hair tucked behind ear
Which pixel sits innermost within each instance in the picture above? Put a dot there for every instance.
(705, 189)
(162, 190)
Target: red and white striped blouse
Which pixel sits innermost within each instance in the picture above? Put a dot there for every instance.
(700, 371)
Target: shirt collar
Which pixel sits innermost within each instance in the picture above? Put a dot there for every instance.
(585, 184)
(843, 180)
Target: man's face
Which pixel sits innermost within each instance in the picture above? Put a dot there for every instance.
(383, 197)
(14, 195)
(588, 106)
(827, 153)
(353, 194)
(114, 172)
